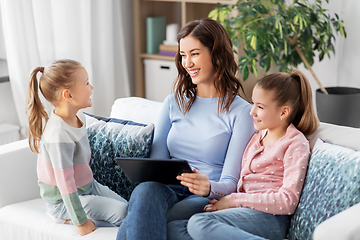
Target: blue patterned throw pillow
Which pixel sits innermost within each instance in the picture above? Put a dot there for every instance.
(332, 184)
(110, 138)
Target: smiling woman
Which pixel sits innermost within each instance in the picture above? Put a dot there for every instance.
(204, 122)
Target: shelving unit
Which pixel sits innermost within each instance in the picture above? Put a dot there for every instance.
(175, 11)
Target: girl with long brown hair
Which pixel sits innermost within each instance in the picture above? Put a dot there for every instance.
(273, 169)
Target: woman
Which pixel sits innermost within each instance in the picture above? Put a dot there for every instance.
(205, 122)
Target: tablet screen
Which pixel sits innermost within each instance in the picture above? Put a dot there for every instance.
(146, 169)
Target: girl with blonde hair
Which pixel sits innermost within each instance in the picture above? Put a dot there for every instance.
(64, 175)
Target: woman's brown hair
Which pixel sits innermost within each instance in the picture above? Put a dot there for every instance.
(53, 80)
(213, 36)
(294, 90)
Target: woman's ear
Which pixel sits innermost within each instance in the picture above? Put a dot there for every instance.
(285, 112)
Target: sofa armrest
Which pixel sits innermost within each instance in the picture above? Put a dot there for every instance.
(342, 226)
(18, 178)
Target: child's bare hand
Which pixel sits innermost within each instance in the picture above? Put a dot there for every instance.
(216, 205)
(86, 228)
(197, 182)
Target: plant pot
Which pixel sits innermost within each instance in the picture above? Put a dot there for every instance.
(341, 106)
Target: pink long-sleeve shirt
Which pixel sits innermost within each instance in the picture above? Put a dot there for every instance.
(272, 177)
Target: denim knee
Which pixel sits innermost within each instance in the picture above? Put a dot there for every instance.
(196, 226)
(176, 230)
(148, 190)
(152, 194)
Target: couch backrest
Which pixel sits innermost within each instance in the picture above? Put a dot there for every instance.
(136, 109)
(146, 111)
(340, 135)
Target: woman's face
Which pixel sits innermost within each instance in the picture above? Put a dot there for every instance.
(196, 60)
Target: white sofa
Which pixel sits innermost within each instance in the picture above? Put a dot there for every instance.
(22, 211)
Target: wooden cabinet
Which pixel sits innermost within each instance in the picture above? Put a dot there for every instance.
(180, 11)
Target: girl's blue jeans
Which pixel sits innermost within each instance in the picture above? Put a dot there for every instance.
(232, 223)
(152, 205)
(102, 205)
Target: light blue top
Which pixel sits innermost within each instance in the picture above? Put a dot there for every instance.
(212, 143)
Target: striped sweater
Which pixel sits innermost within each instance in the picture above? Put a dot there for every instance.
(63, 165)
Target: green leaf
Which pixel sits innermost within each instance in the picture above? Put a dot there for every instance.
(342, 29)
(253, 42)
(281, 30)
(267, 65)
(214, 14)
(296, 19)
(246, 74)
(272, 47)
(292, 27)
(253, 67)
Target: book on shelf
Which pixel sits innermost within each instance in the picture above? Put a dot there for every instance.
(155, 33)
(167, 53)
(168, 48)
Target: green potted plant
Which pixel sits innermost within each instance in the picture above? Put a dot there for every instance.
(272, 32)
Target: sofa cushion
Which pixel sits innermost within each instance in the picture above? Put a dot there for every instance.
(137, 109)
(110, 138)
(332, 184)
(28, 220)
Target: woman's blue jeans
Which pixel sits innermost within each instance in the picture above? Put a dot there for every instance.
(232, 223)
(152, 205)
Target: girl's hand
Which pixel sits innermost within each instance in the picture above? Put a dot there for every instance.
(197, 182)
(86, 228)
(216, 205)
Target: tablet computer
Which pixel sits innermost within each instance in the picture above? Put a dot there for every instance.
(148, 169)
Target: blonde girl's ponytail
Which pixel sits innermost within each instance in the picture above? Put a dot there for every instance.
(36, 111)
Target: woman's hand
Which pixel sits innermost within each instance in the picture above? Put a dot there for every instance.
(216, 205)
(86, 228)
(197, 182)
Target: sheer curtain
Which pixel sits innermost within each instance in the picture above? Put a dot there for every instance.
(93, 32)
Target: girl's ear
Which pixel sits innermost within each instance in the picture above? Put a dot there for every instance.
(66, 95)
(285, 112)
